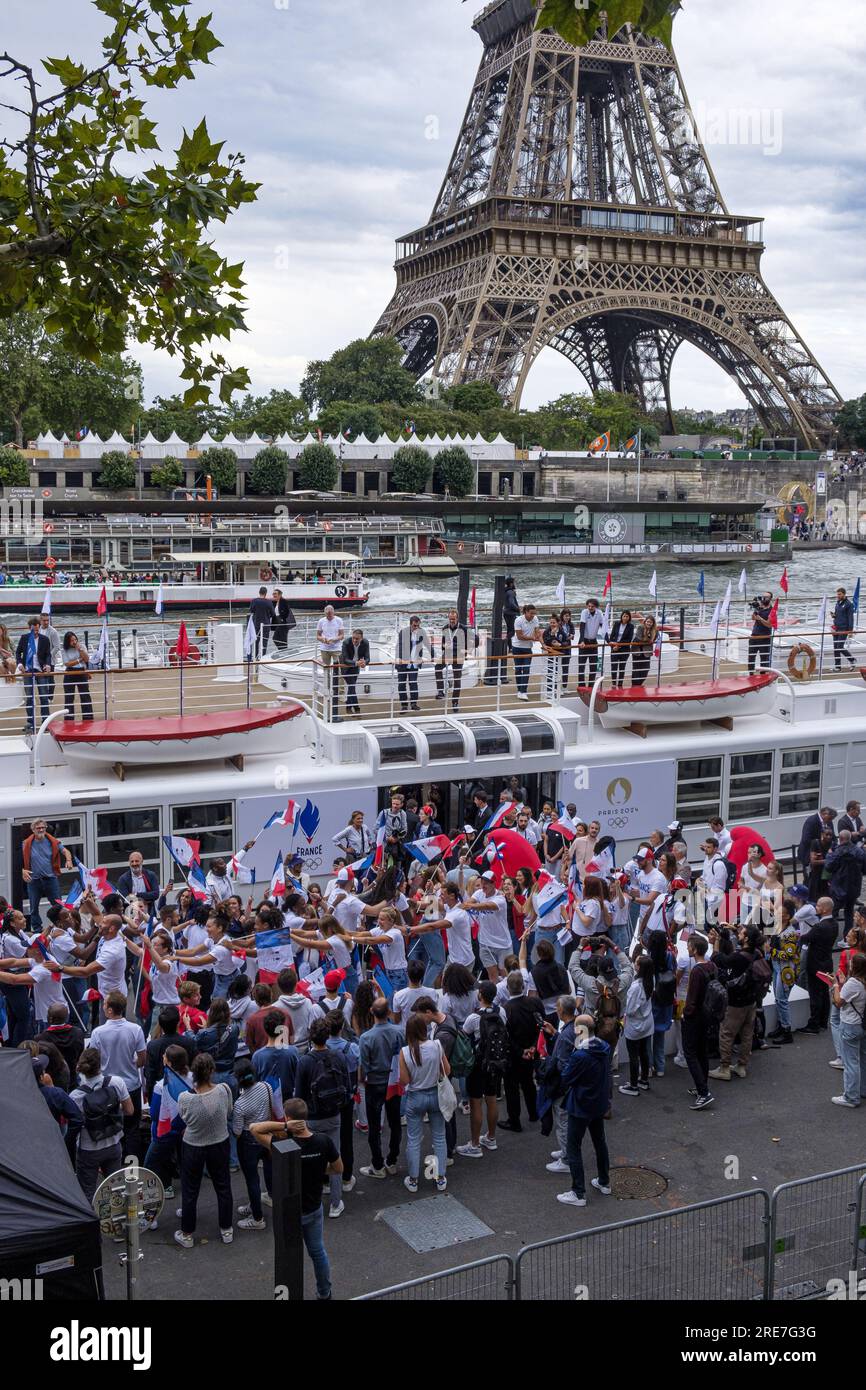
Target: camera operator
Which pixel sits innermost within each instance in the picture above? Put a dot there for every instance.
(761, 640)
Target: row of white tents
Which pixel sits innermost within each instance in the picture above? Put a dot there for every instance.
(359, 449)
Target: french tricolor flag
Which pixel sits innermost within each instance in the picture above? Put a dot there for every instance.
(361, 866)
(286, 817)
(379, 852)
(506, 809)
(197, 883)
(278, 879)
(426, 850)
(600, 865)
(238, 870)
(172, 1086)
(551, 895)
(563, 824)
(184, 852)
(275, 1086)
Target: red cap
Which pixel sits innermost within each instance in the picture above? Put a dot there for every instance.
(333, 980)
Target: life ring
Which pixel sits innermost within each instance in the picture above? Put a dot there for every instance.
(436, 546)
(50, 563)
(460, 547)
(802, 662)
(748, 549)
(265, 574)
(340, 591)
(192, 658)
(48, 527)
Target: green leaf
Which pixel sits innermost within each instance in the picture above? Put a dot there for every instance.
(622, 12)
(65, 70)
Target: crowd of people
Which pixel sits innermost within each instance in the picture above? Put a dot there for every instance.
(502, 975)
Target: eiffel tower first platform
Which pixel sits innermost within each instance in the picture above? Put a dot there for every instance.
(580, 212)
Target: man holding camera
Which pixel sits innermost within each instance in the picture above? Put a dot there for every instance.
(761, 640)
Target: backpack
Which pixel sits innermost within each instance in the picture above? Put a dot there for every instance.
(462, 1055)
(730, 871)
(665, 987)
(608, 1016)
(715, 1001)
(102, 1117)
(329, 1090)
(762, 976)
(494, 1048)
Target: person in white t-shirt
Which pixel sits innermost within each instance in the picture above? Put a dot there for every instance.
(721, 835)
(648, 882)
(526, 632)
(122, 1053)
(164, 975)
(456, 922)
(109, 967)
(494, 936)
(403, 999)
(330, 632)
(752, 879)
(217, 881)
(45, 981)
(389, 937)
(714, 877)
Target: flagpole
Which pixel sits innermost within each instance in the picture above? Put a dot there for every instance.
(824, 606)
(639, 459)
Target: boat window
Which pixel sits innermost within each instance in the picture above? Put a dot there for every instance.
(118, 833)
(750, 789)
(444, 742)
(491, 739)
(699, 789)
(70, 831)
(535, 735)
(212, 824)
(800, 781)
(396, 745)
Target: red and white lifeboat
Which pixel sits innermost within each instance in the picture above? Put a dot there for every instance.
(677, 703)
(176, 738)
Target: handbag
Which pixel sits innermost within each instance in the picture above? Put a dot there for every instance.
(446, 1096)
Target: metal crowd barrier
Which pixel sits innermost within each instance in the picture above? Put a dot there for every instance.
(806, 1241)
(483, 1281)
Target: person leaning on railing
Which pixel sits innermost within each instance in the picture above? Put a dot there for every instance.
(354, 658)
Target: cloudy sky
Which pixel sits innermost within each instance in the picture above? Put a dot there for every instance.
(332, 100)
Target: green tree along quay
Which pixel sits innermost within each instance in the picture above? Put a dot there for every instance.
(473, 397)
(411, 469)
(353, 419)
(579, 22)
(106, 254)
(168, 415)
(278, 413)
(168, 474)
(222, 465)
(13, 468)
(268, 474)
(118, 471)
(453, 472)
(851, 421)
(318, 470)
(367, 372)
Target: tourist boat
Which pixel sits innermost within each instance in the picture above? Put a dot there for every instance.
(713, 701)
(378, 681)
(175, 739)
(204, 581)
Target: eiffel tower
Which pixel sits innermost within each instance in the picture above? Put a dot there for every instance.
(580, 212)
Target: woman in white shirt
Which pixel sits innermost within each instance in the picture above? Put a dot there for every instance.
(591, 915)
(164, 976)
(422, 1062)
(639, 1027)
(752, 878)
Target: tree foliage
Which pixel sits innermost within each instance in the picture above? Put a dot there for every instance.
(168, 415)
(453, 472)
(318, 469)
(473, 397)
(222, 465)
(368, 371)
(411, 469)
(106, 253)
(278, 413)
(13, 468)
(352, 419)
(851, 421)
(579, 22)
(168, 474)
(268, 474)
(118, 471)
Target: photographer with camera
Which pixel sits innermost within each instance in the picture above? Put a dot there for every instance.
(761, 640)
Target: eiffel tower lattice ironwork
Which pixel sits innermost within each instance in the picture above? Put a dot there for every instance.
(579, 211)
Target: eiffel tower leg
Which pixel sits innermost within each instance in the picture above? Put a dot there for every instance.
(646, 370)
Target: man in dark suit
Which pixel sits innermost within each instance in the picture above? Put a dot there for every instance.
(354, 658)
(33, 655)
(262, 614)
(851, 821)
(138, 880)
(284, 619)
(813, 828)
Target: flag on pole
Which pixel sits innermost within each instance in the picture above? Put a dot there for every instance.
(631, 444)
(716, 618)
(563, 824)
(287, 817)
(275, 1086)
(822, 614)
(607, 624)
(856, 597)
(46, 602)
(428, 849)
(196, 881)
(726, 601)
(550, 895)
(560, 592)
(601, 445)
(702, 586)
(654, 585)
(182, 850)
(472, 609)
(783, 582)
(238, 870)
(601, 864)
(250, 640)
(102, 603)
(499, 815)
(278, 879)
(160, 601)
(608, 585)
(774, 616)
(172, 1086)
(182, 644)
(101, 655)
(743, 582)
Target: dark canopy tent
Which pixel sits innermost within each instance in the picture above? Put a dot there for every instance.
(45, 1219)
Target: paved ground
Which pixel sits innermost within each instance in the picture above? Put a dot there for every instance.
(776, 1125)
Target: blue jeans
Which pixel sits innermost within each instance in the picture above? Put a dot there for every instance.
(782, 991)
(37, 888)
(432, 946)
(522, 666)
(45, 686)
(221, 984)
(576, 1130)
(398, 979)
(621, 936)
(852, 1041)
(543, 934)
(312, 1229)
(419, 1104)
(659, 1052)
(835, 1025)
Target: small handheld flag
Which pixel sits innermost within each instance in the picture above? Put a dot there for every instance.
(196, 880)
(286, 817)
(743, 582)
(560, 591)
(472, 609)
(182, 644)
(774, 616)
(278, 879)
(46, 603)
(250, 640)
(855, 598)
(102, 603)
(182, 850)
(783, 582)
